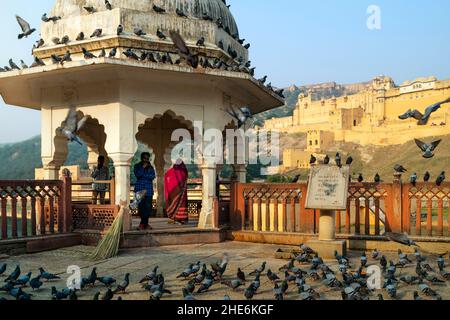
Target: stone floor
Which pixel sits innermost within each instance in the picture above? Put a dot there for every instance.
(173, 260)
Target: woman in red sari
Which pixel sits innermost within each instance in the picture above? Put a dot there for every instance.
(175, 190)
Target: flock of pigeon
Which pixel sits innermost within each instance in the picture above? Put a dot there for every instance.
(184, 53)
(310, 276)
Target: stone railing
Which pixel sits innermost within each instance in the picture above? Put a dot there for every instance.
(41, 208)
(421, 210)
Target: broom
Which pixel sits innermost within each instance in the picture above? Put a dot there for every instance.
(108, 247)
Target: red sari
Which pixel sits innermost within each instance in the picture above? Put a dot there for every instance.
(175, 191)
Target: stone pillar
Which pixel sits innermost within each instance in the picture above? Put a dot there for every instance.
(209, 172)
(122, 164)
(160, 201)
(327, 225)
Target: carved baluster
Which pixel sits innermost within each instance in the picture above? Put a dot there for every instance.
(4, 220)
(419, 217)
(292, 215)
(377, 217)
(430, 217)
(285, 226)
(357, 217)
(440, 230)
(275, 215)
(348, 218)
(33, 216)
(268, 214)
(251, 225)
(51, 210)
(43, 220)
(260, 223)
(61, 213)
(367, 217)
(14, 217)
(24, 218)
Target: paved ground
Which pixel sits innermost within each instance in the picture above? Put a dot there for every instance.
(173, 260)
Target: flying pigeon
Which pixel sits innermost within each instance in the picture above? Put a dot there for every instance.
(415, 114)
(427, 148)
(71, 126)
(400, 238)
(241, 116)
(25, 26)
(184, 52)
(430, 110)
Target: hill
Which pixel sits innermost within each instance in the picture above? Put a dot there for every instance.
(370, 160)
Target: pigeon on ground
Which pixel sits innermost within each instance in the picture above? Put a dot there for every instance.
(182, 49)
(109, 295)
(36, 283)
(150, 276)
(14, 275)
(427, 148)
(48, 276)
(3, 268)
(59, 295)
(25, 26)
(72, 126)
(234, 284)
(259, 270)
(23, 280)
(107, 281)
(124, 285)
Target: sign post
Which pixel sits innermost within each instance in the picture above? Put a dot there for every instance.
(328, 192)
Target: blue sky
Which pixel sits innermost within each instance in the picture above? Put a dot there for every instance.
(294, 42)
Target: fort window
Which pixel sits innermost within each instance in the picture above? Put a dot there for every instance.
(317, 142)
(354, 123)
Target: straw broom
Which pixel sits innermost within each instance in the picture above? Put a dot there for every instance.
(108, 247)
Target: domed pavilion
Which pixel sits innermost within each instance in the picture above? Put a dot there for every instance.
(144, 99)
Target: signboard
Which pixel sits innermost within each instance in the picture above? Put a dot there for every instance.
(328, 188)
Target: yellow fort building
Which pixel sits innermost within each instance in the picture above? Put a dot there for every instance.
(369, 117)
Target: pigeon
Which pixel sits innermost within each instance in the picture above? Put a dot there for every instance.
(39, 43)
(151, 276)
(130, 54)
(37, 63)
(430, 110)
(59, 295)
(67, 57)
(400, 169)
(13, 65)
(206, 284)
(360, 178)
(296, 179)
(377, 178)
(241, 116)
(65, 40)
(108, 5)
(312, 160)
(425, 289)
(102, 53)
(119, 29)
(96, 296)
(72, 126)
(440, 179)
(413, 179)
(23, 280)
(113, 53)
(138, 197)
(80, 36)
(326, 160)
(139, 32)
(91, 279)
(97, 33)
(107, 281)
(88, 55)
(108, 296)
(48, 276)
(259, 270)
(56, 40)
(48, 19)
(124, 285)
(73, 295)
(338, 160)
(180, 13)
(3, 268)
(375, 254)
(182, 49)
(90, 9)
(272, 276)
(349, 161)
(250, 292)
(263, 80)
(201, 42)
(25, 26)
(158, 9)
(427, 148)
(411, 114)
(426, 177)
(399, 238)
(161, 35)
(186, 273)
(241, 275)
(234, 284)
(187, 295)
(23, 65)
(36, 283)
(363, 260)
(14, 275)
